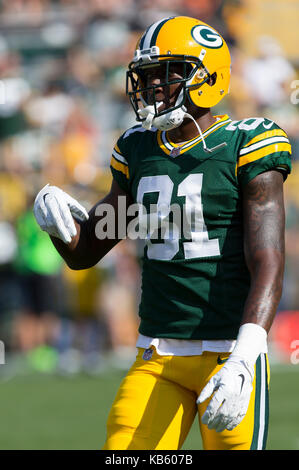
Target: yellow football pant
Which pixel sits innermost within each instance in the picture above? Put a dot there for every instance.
(156, 404)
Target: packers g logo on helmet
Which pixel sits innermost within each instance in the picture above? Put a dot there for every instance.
(203, 53)
(206, 36)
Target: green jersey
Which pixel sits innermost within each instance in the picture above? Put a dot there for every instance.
(195, 284)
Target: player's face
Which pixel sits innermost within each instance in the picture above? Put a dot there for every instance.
(164, 83)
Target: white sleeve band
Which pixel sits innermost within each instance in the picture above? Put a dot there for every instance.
(251, 342)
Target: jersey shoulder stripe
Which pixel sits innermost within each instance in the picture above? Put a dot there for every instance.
(118, 166)
(116, 153)
(260, 145)
(119, 162)
(263, 152)
(266, 135)
(263, 143)
(122, 153)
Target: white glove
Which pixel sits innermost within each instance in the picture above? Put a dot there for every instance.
(53, 210)
(232, 386)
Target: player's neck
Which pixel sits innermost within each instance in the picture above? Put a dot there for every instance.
(187, 130)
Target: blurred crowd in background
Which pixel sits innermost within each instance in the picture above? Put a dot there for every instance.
(62, 107)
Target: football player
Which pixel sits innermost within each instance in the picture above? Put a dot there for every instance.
(209, 296)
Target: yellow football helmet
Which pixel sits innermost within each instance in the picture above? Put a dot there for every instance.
(189, 41)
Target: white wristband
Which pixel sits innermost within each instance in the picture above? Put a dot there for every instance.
(251, 342)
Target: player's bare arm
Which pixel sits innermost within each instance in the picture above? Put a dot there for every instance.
(264, 223)
(263, 210)
(85, 249)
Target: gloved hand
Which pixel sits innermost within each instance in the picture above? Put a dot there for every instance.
(53, 210)
(232, 387)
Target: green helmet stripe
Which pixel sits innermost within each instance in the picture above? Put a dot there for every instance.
(149, 38)
(157, 30)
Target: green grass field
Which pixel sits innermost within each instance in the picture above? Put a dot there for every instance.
(52, 412)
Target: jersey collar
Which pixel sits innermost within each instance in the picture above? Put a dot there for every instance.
(173, 149)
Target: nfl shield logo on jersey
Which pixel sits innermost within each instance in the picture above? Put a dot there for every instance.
(147, 355)
(175, 152)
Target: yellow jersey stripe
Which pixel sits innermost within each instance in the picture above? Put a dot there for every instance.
(119, 157)
(262, 144)
(266, 135)
(120, 167)
(263, 152)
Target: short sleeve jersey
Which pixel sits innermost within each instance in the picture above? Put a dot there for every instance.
(194, 276)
